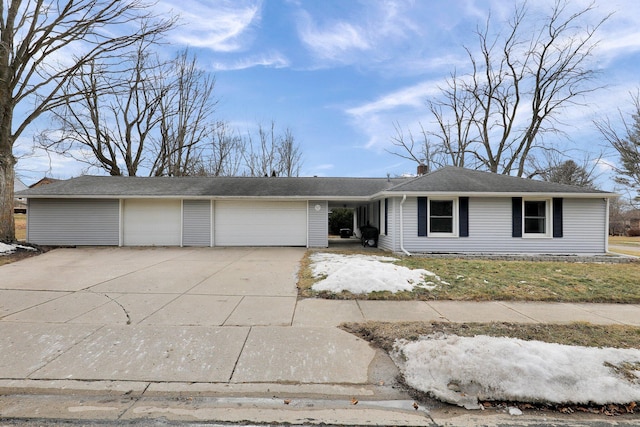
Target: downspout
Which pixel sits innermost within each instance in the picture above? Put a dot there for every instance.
(404, 198)
(606, 228)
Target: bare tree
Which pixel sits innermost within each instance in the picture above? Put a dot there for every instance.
(185, 112)
(272, 154)
(619, 210)
(626, 141)
(289, 155)
(115, 116)
(42, 46)
(261, 156)
(223, 154)
(423, 150)
(495, 118)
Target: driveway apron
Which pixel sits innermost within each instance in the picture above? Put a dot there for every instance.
(211, 315)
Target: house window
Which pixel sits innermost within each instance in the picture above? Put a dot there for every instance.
(442, 220)
(443, 217)
(536, 217)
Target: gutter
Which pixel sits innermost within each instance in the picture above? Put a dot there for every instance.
(404, 198)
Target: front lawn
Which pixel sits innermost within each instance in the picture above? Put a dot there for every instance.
(625, 241)
(490, 280)
(21, 226)
(384, 334)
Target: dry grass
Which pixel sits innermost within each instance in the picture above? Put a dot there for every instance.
(384, 334)
(490, 280)
(625, 241)
(21, 227)
(21, 235)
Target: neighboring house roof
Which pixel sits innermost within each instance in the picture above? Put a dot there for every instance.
(449, 180)
(108, 186)
(44, 181)
(452, 180)
(18, 185)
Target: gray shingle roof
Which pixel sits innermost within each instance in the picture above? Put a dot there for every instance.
(447, 180)
(458, 180)
(116, 186)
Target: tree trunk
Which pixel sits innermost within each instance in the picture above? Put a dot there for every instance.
(7, 162)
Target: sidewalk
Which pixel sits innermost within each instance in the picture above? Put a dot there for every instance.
(118, 373)
(321, 312)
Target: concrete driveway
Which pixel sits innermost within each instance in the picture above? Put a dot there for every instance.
(156, 286)
(167, 315)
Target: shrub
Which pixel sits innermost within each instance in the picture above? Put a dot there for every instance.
(633, 232)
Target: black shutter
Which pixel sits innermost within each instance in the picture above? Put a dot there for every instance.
(516, 217)
(422, 216)
(386, 216)
(557, 217)
(463, 211)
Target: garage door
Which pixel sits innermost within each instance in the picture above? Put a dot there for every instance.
(152, 223)
(240, 223)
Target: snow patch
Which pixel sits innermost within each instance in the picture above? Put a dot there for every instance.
(9, 248)
(463, 370)
(361, 274)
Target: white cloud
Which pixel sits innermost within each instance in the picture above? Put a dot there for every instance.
(269, 60)
(364, 33)
(407, 106)
(413, 96)
(334, 41)
(220, 25)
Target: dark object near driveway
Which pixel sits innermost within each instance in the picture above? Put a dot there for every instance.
(345, 233)
(369, 236)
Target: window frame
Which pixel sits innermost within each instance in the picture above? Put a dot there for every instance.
(455, 217)
(548, 219)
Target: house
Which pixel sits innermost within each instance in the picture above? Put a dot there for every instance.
(19, 203)
(451, 210)
(632, 222)
(44, 181)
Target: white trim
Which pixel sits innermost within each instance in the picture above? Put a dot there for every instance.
(548, 219)
(307, 211)
(493, 194)
(404, 198)
(121, 223)
(606, 227)
(212, 219)
(182, 223)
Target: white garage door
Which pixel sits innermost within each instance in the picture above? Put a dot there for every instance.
(152, 223)
(240, 223)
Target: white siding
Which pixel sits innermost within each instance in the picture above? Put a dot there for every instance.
(196, 223)
(152, 222)
(490, 230)
(388, 241)
(73, 222)
(318, 224)
(260, 223)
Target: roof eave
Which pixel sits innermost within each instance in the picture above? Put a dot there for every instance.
(398, 193)
(195, 197)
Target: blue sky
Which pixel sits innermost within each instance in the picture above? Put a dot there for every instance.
(340, 73)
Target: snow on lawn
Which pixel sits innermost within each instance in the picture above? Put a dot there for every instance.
(6, 249)
(462, 370)
(361, 274)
